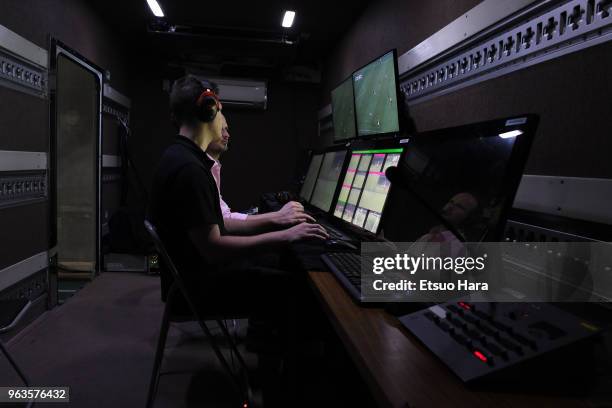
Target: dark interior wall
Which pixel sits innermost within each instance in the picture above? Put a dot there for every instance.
(572, 97)
(151, 130)
(25, 126)
(265, 146)
(75, 23)
(571, 93)
(384, 25)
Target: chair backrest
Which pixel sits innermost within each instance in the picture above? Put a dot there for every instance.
(161, 249)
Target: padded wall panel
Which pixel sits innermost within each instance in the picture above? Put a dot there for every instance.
(23, 121)
(24, 232)
(572, 96)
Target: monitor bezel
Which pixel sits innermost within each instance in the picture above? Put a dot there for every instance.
(516, 162)
(398, 93)
(344, 140)
(313, 153)
(342, 171)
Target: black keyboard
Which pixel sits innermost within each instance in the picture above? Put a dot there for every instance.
(334, 233)
(346, 267)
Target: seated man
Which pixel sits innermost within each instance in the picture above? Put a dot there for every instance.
(290, 214)
(185, 208)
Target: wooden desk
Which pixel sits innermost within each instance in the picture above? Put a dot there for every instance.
(399, 370)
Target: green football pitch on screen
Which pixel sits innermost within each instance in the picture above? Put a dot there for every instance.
(343, 111)
(376, 97)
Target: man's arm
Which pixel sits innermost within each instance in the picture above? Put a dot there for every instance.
(291, 214)
(217, 248)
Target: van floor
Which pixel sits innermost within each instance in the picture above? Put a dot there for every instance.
(101, 343)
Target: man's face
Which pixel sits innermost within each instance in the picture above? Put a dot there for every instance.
(220, 145)
(459, 208)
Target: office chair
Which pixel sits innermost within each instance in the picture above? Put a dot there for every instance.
(178, 287)
(10, 308)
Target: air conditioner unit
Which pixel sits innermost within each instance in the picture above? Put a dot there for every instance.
(242, 93)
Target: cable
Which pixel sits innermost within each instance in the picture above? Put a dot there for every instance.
(128, 163)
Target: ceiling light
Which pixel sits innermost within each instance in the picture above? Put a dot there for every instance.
(288, 19)
(155, 8)
(512, 133)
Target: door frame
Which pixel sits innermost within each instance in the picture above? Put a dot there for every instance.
(57, 49)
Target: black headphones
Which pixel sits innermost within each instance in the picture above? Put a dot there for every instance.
(207, 104)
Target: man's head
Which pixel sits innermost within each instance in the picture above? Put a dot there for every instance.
(195, 106)
(218, 147)
(459, 208)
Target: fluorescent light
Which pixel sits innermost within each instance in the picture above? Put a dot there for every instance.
(512, 133)
(155, 8)
(288, 19)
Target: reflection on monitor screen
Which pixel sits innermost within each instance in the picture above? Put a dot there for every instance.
(375, 91)
(311, 177)
(327, 181)
(343, 111)
(365, 187)
(457, 182)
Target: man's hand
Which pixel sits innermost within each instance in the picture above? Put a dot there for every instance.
(292, 213)
(305, 231)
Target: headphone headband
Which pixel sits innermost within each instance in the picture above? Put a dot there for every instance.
(207, 92)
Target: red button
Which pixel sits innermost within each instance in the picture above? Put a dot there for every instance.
(480, 356)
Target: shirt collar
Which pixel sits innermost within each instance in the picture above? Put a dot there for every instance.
(195, 149)
(217, 163)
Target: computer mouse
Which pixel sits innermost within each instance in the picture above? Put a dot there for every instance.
(339, 244)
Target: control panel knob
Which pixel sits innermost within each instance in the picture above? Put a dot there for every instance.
(508, 45)
(550, 28)
(604, 7)
(574, 19)
(527, 37)
(492, 52)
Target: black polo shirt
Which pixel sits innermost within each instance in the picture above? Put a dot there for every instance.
(184, 196)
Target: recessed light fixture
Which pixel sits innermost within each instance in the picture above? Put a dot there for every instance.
(512, 133)
(288, 19)
(155, 8)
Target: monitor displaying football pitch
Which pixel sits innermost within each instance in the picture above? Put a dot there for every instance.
(376, 105)
(343, 111)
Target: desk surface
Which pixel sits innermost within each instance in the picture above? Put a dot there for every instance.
(399, 370)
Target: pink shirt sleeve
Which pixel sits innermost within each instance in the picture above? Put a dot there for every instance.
(225, 210)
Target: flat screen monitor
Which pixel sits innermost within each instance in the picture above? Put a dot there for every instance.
(364, 189)
(325, 187)
(343, 111)
(376, 97)
(458, 183)
(311, 177)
